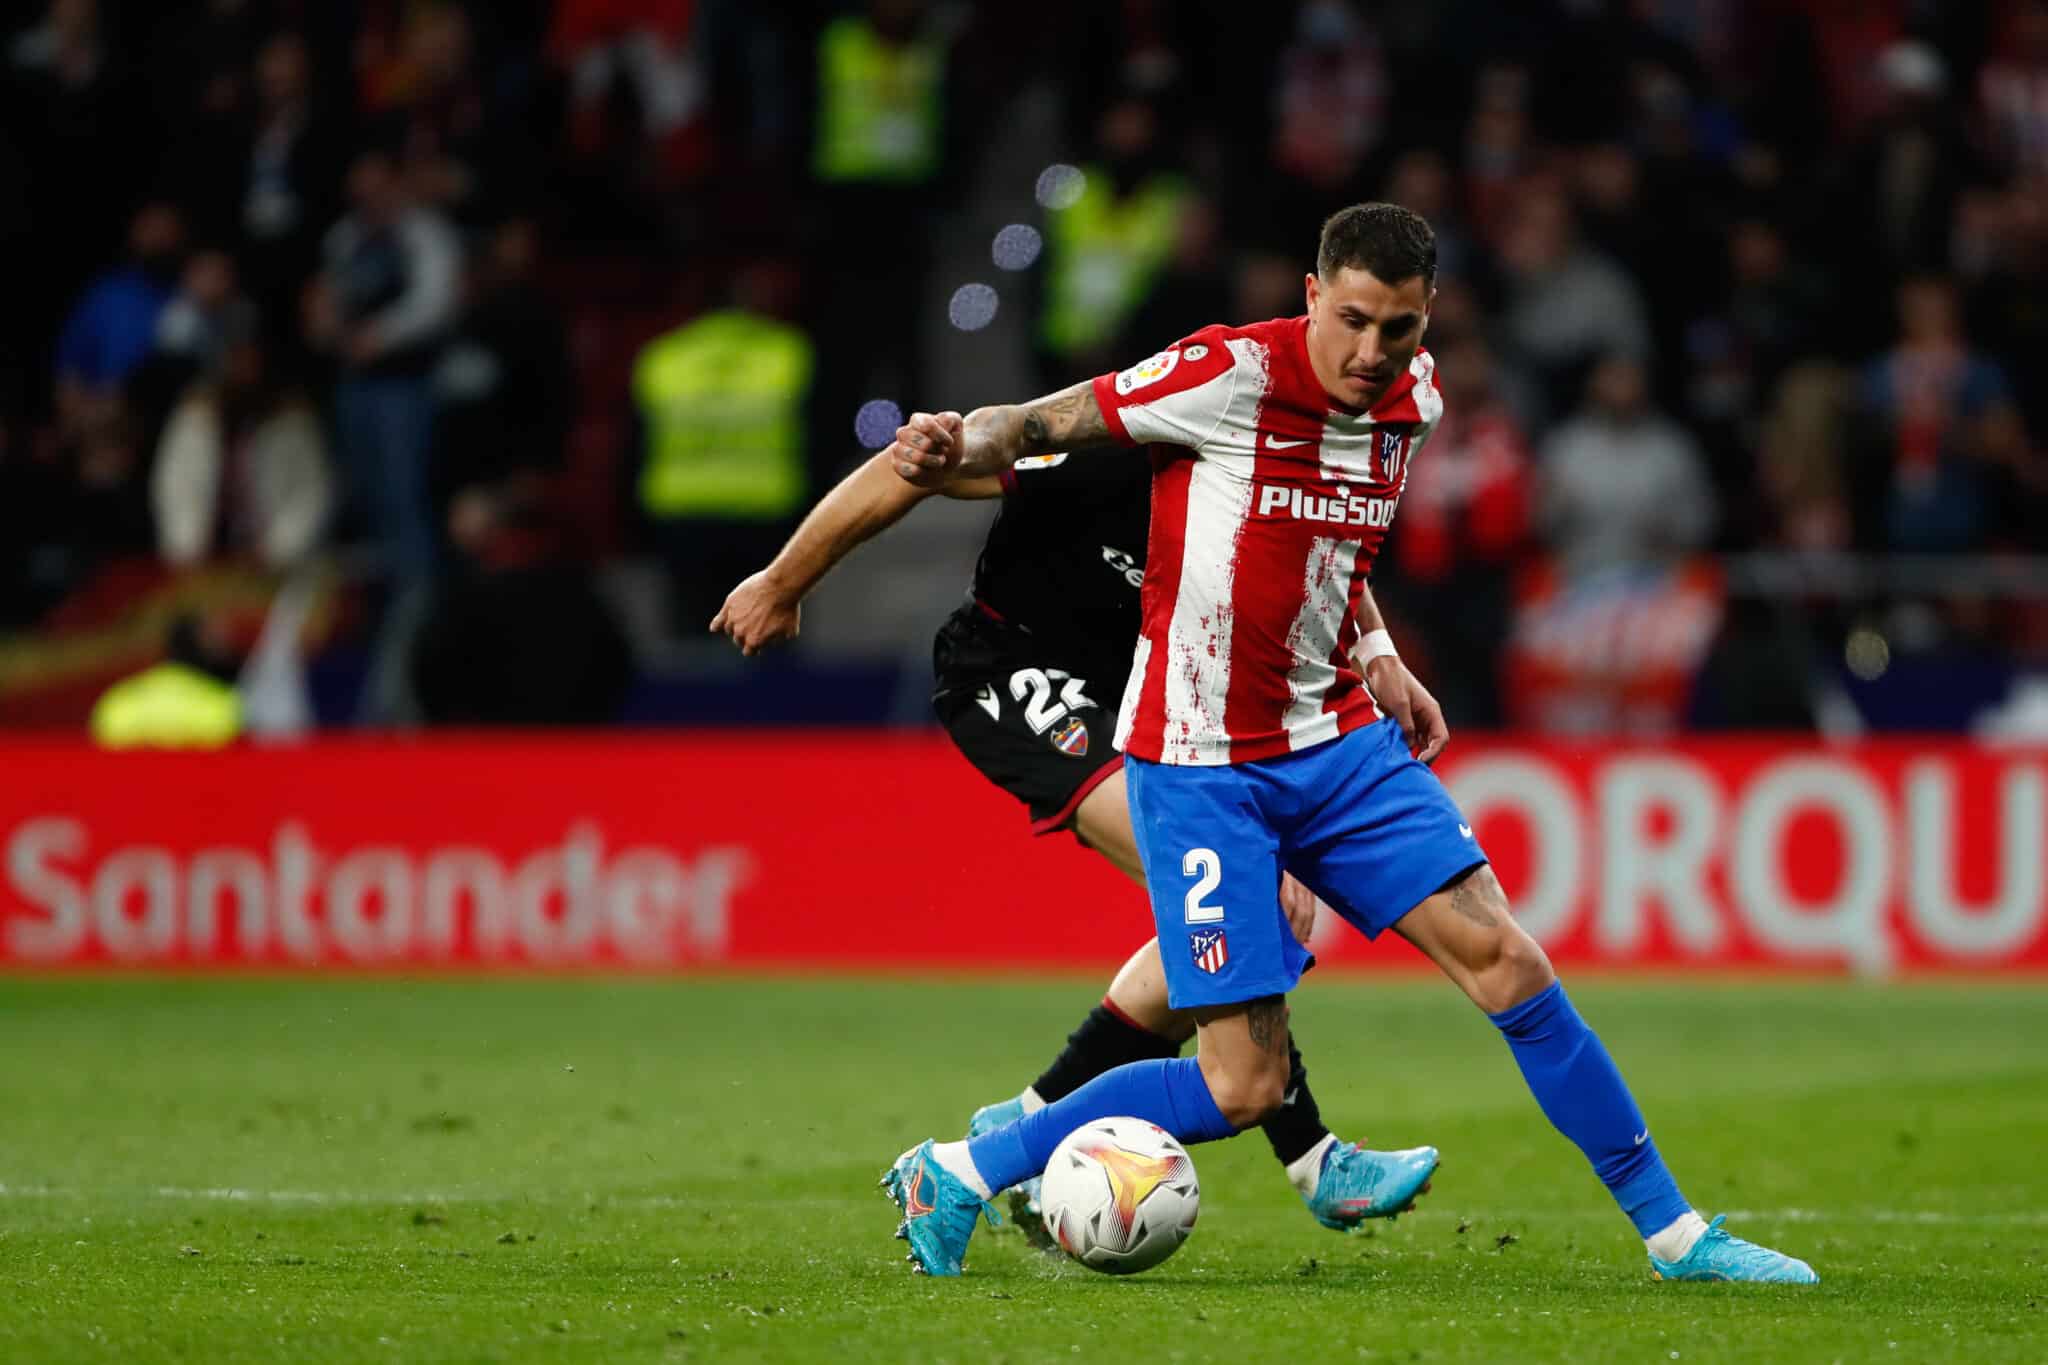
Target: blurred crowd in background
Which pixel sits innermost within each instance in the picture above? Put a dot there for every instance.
(516, 332)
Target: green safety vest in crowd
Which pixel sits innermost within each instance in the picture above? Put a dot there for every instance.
(1105, 254)
(170, 706)
(880, 108)
(721, 399)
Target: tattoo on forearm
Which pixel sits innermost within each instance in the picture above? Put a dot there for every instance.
(1469, 899)
(1065, 419)
(1266, 1021)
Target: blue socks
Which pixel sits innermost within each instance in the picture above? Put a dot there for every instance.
(1169, 1092)
(1583, 1095)
(1567, 1068)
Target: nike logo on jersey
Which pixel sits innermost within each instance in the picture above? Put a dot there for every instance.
(1353, 510)
(1275, 443)
(1642, 1137)
(1465, 830)
(986, 700)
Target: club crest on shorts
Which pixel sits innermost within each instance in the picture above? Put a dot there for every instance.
(1210, 950)
(1071, 738)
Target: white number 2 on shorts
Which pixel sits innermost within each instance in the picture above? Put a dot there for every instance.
(1202, 863)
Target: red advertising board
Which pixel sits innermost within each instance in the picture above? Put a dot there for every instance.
(796, 849)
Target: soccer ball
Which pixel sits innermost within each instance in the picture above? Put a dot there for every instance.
(1120, 1195)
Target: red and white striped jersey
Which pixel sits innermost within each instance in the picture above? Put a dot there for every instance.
(1269, 500)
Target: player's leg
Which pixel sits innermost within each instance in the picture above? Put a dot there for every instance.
(1342, 1183)
(1389, 848)
(1467, 930)
(1231, 959)
(943, 1187)
(1132, 1022)
(1135, 1023)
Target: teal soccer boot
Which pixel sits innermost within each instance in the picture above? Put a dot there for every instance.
(1357, 1184)
(1720, 1255)
(1025, 1209)
(938, 1210)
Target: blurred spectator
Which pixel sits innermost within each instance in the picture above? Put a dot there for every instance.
(1265, 286)
(431, 107)
(201, 57)
(1769, 316)
(1849, 38)
(719, 405)
(1330, 100)
(1107, 250)
(2000, 252)
(192, 333)
(505, 392)
(881, 97)
(1464, 523)
(1622, 486)
(82, 129)
(66, 506)
(1774, 302)
(1497, 150)
(1943, 424)
(1422, 181)
(383, 305)
(242, 468)
(285, 176)
(1567, 305)
(1802, 457)
(517, 635)
(646, 46)
(198, 321)
(1196, 288)
(188, 701)
(1892, 211)
(2012, 92)
(110, 507)
(880, 135)
(1658, 212)
(113, 326)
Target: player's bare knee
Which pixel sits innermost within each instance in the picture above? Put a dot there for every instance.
(1513, 969)
(1497, 963)
(1524, 969)
(1247, 1082)
(1247, 1094)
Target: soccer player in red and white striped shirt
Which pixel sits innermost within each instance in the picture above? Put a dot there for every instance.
(1268, 724)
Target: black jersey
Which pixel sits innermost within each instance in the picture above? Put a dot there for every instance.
(1066, 557)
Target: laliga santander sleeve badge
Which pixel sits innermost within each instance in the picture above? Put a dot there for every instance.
(1150, 371)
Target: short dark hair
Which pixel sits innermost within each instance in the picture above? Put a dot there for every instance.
(1391, 242)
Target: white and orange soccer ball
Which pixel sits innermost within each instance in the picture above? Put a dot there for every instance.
(1120, 1195)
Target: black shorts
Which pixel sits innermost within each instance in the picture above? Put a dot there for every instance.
(1039, 727)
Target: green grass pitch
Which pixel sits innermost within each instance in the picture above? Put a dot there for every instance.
(592, 1170)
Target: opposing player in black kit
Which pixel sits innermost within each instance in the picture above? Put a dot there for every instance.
(1030, 671)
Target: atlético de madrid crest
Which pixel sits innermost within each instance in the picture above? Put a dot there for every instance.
(1071, 738)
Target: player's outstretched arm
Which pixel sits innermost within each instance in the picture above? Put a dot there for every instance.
(766, 608)
(934, 447)
(1399, 693)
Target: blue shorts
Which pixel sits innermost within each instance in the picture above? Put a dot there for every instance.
(1358, 820)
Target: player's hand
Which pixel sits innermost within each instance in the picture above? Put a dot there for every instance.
(928, 448)
(1301, 904)
(1402, 696)
(758, 613)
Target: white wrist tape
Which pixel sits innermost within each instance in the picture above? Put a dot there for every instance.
(1372, 645)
